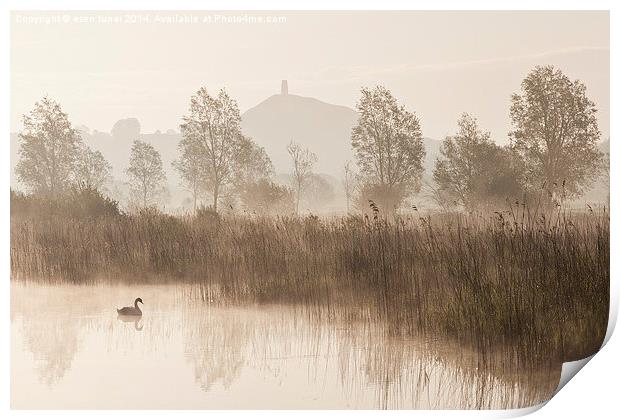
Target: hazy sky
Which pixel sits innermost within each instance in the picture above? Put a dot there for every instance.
(438, 64)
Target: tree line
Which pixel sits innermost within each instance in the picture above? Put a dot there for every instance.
(551, 156)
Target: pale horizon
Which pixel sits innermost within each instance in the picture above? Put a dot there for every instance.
(149, 71)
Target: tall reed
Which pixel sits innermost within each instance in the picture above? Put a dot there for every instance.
(539, 282)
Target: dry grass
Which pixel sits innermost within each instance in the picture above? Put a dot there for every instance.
(539, 284)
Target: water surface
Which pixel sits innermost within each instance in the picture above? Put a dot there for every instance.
(70, 351)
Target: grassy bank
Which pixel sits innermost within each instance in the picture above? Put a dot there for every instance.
(540, 284)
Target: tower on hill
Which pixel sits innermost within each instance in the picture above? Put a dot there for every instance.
(284, 88)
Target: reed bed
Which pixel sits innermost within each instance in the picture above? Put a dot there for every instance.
(537, 283)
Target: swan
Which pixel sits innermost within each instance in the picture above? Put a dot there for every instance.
(128, 310)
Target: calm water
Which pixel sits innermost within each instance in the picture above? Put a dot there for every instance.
(69, 350)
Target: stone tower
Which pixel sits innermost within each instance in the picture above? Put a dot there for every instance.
(284, 88)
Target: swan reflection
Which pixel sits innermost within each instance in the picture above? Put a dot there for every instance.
(135, 319)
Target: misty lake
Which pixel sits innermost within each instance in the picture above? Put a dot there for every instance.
(69, 351)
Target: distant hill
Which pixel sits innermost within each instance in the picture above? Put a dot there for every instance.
(324, 128)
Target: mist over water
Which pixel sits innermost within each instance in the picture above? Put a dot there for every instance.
(70, 351)
(403, 224)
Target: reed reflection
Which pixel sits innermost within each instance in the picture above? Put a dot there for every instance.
(338, 356)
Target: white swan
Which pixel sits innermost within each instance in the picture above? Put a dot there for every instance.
(128, 310)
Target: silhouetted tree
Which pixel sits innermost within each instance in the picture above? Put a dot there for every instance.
(190, 167)
(146, 173)
(212, 128)
(472, 170)
(502, 177)
(251, 163)
(387, 142)
(48, 149)
(555, 133)
(303, 162)
(92, 169)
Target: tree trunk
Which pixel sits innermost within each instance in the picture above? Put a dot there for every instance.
(195, 196)
(215, 197)
(298, 198)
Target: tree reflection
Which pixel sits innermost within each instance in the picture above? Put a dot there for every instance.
(215, 343)
(365, 359)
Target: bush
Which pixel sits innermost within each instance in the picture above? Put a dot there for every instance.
(207, 214)
(266, 197)
(80, 202)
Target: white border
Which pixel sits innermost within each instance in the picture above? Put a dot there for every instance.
(593, 394)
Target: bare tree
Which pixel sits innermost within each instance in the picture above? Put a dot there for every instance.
(92, 169)
(212, 129)
(387, 142)
(555, 133)
(303, 162)
(48, 149)
(348, 182)
(146, 173)
(605, 165)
